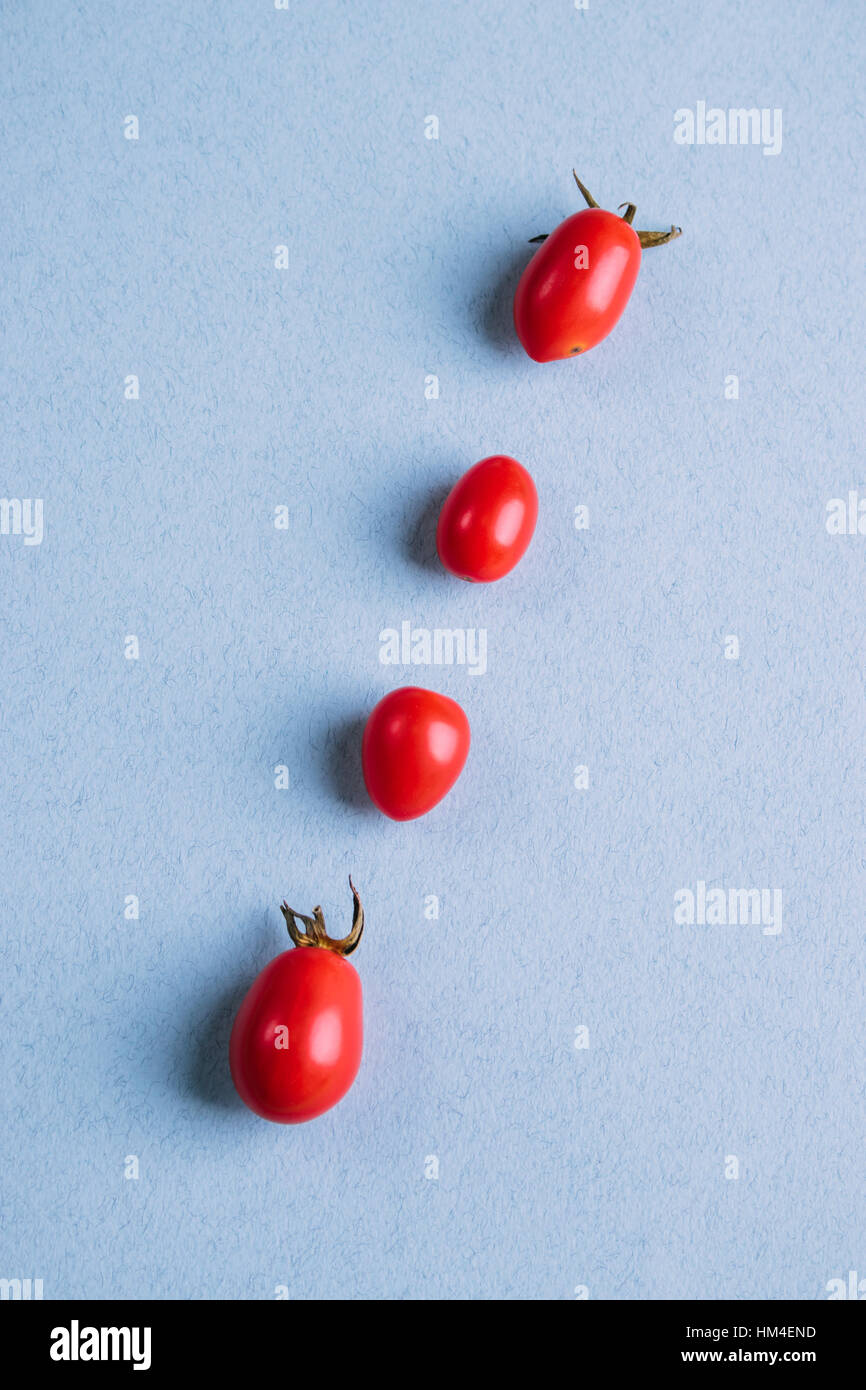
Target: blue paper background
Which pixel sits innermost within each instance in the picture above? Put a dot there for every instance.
(558, 1167)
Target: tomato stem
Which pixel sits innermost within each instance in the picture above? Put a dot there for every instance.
(585, 191)
(645, 238)
(658, 238)
(316, 934)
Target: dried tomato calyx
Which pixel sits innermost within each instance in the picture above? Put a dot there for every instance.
(316, 934)
(645, 238)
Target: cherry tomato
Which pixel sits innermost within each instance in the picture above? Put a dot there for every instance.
(414, 748)
(580, 279)
(296, 1043)
(487, 521)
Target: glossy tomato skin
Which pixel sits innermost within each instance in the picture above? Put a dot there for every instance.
(414, 748)
(487, 520)
(560, 310)
(314, 994)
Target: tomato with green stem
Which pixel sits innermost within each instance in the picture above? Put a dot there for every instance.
(576, 286)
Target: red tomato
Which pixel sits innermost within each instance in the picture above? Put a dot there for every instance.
(414, 748)
(488, 519)
(296, 1043)
(580, 279)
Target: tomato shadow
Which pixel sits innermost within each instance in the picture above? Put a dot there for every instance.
(420, 529)
(492, 309)
(202, 1069)
(209, 1078)
(341, 757)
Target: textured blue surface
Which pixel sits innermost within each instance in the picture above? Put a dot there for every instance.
(558, 1166)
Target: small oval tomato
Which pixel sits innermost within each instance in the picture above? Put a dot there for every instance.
(414, 748)
(296, 1043)
(579, 281)
(487, 520)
